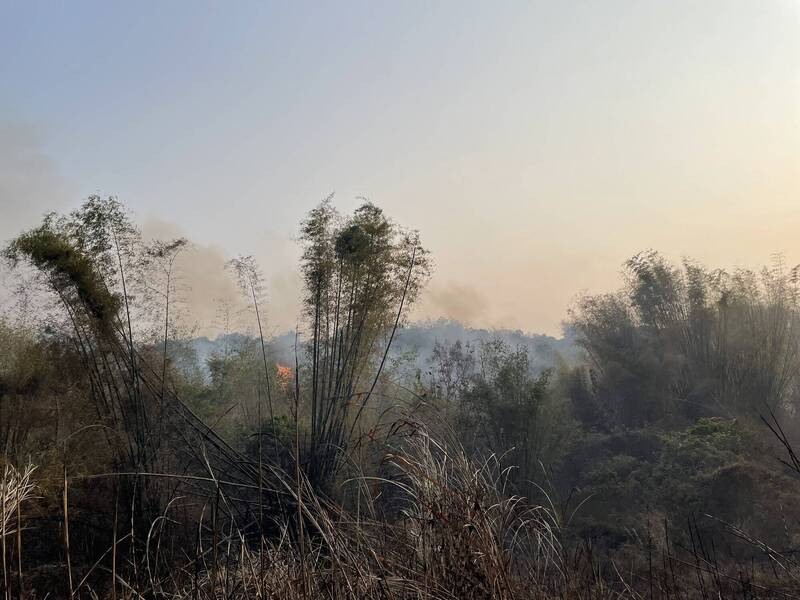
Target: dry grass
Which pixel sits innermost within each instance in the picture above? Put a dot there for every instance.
(436, 524)
(16, 488)
(448, 531)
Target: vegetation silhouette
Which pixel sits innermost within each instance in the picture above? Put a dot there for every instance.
(649, 453)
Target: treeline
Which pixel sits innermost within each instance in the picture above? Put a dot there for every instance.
(674, 425)
(655, 460)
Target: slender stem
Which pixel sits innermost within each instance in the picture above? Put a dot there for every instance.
(389, 344)
(166, 336)
(65, 502)
(19, 543)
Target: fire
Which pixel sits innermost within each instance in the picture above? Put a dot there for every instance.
(284, 376)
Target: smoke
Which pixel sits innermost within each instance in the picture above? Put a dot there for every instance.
(204, 285)
(207, 289)
(279, 255)
(455, 301)
(30, 183)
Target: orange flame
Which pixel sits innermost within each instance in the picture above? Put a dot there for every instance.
(284, 376)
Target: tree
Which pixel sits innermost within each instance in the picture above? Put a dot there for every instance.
(361, 274)
(683, 343)
(162, 255)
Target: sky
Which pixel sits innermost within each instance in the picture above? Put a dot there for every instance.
(535, 145)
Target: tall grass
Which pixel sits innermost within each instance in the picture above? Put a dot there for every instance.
(447, 530)
(430, 520)
(16, 488)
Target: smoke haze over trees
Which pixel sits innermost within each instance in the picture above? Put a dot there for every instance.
(367, 455)
(399, 300)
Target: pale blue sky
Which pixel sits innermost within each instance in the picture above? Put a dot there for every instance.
(535, 144)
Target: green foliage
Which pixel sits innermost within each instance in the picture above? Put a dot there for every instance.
(709, 444)
(500, 404)
(281, 428)
(362, 274)
(678, 344)
(657, 426)
(712, 472)
(68, 269)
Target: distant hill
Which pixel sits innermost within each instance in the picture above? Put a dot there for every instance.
(544, 351)
(418, 340)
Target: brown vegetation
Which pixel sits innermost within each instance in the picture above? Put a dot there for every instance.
(650, 468)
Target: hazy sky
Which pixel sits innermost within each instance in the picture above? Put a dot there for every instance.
(536, 145)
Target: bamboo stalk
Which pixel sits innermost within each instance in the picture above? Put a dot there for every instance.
(4, 490)
(65, 506)
(19, 543)
(114, 547)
